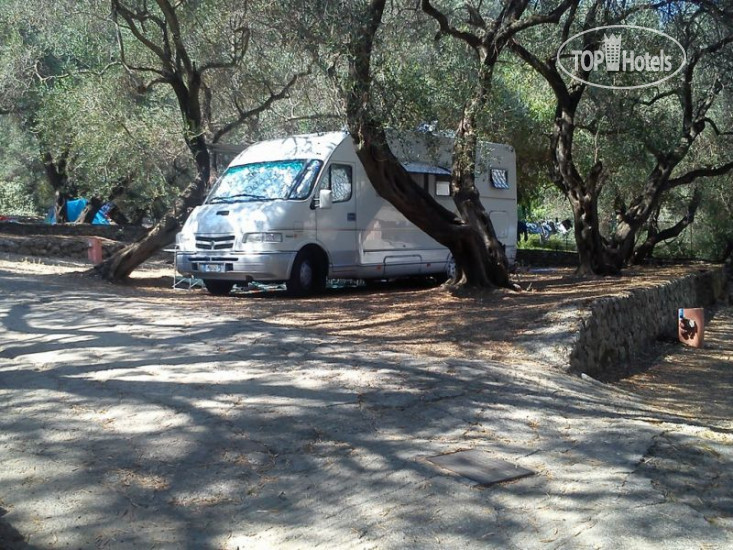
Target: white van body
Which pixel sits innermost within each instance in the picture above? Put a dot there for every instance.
(331, 213)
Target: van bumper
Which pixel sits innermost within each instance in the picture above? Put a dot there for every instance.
(262, 266)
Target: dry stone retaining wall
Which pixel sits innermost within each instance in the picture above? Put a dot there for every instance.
(113, 232)
(75, 248)
(612, 330)
(69, 241)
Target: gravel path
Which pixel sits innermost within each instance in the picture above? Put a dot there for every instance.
(126, 423)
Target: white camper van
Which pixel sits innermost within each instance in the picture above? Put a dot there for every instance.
(301, 210)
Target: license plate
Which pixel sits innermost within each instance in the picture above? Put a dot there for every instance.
(212, 268)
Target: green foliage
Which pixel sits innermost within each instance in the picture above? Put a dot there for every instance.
(67, 93)
(16, 200)
(555, 242)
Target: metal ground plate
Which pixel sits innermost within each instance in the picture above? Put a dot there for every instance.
(480, 467)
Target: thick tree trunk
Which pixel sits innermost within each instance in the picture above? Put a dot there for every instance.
(57, 178)
(394, 184)
(593, 257)
(119, 266)
(468, 245)
(489, 265)
(59, 207)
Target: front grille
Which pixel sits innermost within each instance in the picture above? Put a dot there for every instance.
(211, 259)
(225, 242)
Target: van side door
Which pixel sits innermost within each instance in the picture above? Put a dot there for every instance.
(336, 225)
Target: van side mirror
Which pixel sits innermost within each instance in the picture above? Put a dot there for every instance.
(325, 198)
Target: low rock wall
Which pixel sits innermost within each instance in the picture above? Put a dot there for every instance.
(54, 246)
(112, 232)
(546, 258)
(67, 241)
(613, 330)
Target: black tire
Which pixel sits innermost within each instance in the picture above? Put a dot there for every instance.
(218, 288)
(308, 275)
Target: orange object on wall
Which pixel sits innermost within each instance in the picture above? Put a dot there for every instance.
(691, 326)
(94, 251)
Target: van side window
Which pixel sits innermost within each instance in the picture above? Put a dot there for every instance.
(499, 178)
(442, 186)
(340, 182)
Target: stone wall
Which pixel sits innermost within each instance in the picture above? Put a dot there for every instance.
(55, 246)
(546, 258)
(112, 232)
(613, 330)
(67, 241)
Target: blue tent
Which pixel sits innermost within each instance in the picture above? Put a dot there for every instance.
(74, 208)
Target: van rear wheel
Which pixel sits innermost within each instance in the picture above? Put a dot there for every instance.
(308, 275)
(218, 288)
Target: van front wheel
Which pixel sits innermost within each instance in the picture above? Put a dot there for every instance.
(308, 275)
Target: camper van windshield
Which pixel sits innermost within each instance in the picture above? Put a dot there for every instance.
(262, 181)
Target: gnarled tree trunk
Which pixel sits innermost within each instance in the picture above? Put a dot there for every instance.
(394, 184)
(487, 37)
(487, 263)
(58, 179)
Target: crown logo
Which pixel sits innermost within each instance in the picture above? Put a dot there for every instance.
(612, 52)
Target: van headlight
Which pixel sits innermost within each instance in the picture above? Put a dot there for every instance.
(185, 241)
(263, 237)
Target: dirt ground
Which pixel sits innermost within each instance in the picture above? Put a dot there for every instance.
(426, 321)
(412, 317)
(694, 383)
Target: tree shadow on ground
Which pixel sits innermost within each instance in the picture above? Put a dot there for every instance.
(10, 538)
(694, 382)
(134, 425)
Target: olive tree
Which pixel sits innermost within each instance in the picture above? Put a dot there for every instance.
(191, 49)
(480, 259)
(668, 151)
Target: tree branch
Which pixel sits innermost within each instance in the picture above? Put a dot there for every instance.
(119, 9)
(540, 18)
(244, 115)
(446, 28)
(654, 237)
(692, 175)
(657, 97)
(169, 12)
(715, 128)
(238, 53)
(549, 73)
